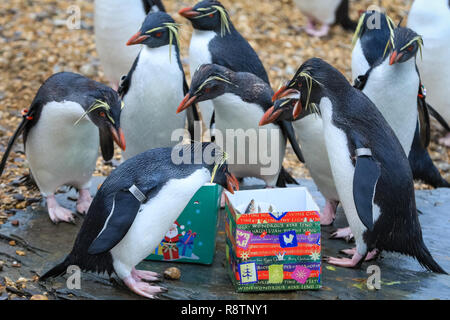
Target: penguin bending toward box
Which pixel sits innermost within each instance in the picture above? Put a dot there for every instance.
(240, 99)
(431, 19)
(216, 40)
(115, 22)
(154, 87)
(370, 169)
(136, 206)
(309, 131)
(326, 13)
(384, 68)
(61, 132)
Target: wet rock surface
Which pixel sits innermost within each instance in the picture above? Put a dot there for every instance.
(45, 244)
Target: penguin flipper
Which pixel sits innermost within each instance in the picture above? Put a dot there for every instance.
(289, 132)
(11, 142)
(424, 120)
(106, 144)
(125, 208)
(367, 173)
(438, 117)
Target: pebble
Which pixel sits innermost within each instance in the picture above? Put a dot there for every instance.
(172, 273)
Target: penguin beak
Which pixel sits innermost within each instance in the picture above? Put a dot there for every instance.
(283, 92)
(186, 103)
(297, 110)
(188, 13)
(119, 137)
(395, 57)
(138, 38)
(232, 183)
(270, 116)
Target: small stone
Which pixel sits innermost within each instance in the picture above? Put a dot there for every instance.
(15, 223)
(21, 253)
(21, 205)
(172, 273)
(88, 70)
(1, 265)
(12, 243)
(39, 297)
(16, 264)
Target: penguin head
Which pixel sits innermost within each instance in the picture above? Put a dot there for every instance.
(373, 20)
(312, 81)
(158, 29)
(208, 15)
(281, 110)
(404, 45)
(104, 111)
(208, 82)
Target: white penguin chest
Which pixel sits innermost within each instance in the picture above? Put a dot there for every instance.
(60, 152)
(393, 89)
(322, 10)
(359, 62)
(198, 49)
(154, 220)
(156, 89)
(311, 136)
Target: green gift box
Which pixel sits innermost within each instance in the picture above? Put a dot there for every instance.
(192, 237)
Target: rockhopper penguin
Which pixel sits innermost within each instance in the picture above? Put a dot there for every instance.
(309, 130)
(371, 171)
(240, 99)
(154, 87)
(216, 40)
(384, 68)
(431, 19)
(61, 136)
(115, 21)
(326, 13)
(137, 205)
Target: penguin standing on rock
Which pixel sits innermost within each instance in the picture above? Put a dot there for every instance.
(384, 68)
(326, 13)
(431, 19)
(115, 21)
(240, 99)
(154, 87)
(371, 171)
(216, 40)
(61, 136)
(137, 205)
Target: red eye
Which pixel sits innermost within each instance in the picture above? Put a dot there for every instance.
(207, 90)
(410, 48)
(102, 114)
(211, 15)
(159, 34)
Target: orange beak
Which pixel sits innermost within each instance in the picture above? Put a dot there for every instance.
(138, 38)
(283, 92)
(232, 183)
(270, 116)
(395, 57)
(188, 13)
(297, 110)
(186, 103)
(119, 138)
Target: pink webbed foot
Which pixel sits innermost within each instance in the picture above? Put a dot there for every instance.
(57, 213)
(445, 141)
(143, 288)
(370, 256)
(84, 201)
(312, 31)
(329, 213)
(139, 275)
(346, 262)
(343, 233)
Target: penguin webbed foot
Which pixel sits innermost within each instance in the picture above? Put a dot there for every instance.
(329, 213)
(343, 233)
(354, 262)
(372, 255)
(143, 288)
(311, 29)
(84, 201)
(57, 213)
(144, 275)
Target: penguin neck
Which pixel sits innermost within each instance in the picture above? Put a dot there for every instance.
(163, 55)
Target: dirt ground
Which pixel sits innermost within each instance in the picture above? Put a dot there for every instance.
(35, 43)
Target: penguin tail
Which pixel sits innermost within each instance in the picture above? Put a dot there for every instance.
(56, 271)
(343, 18)
(285, 178)
(426, 260)
(11, 143)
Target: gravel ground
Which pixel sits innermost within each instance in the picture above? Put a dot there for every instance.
(35, 43)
